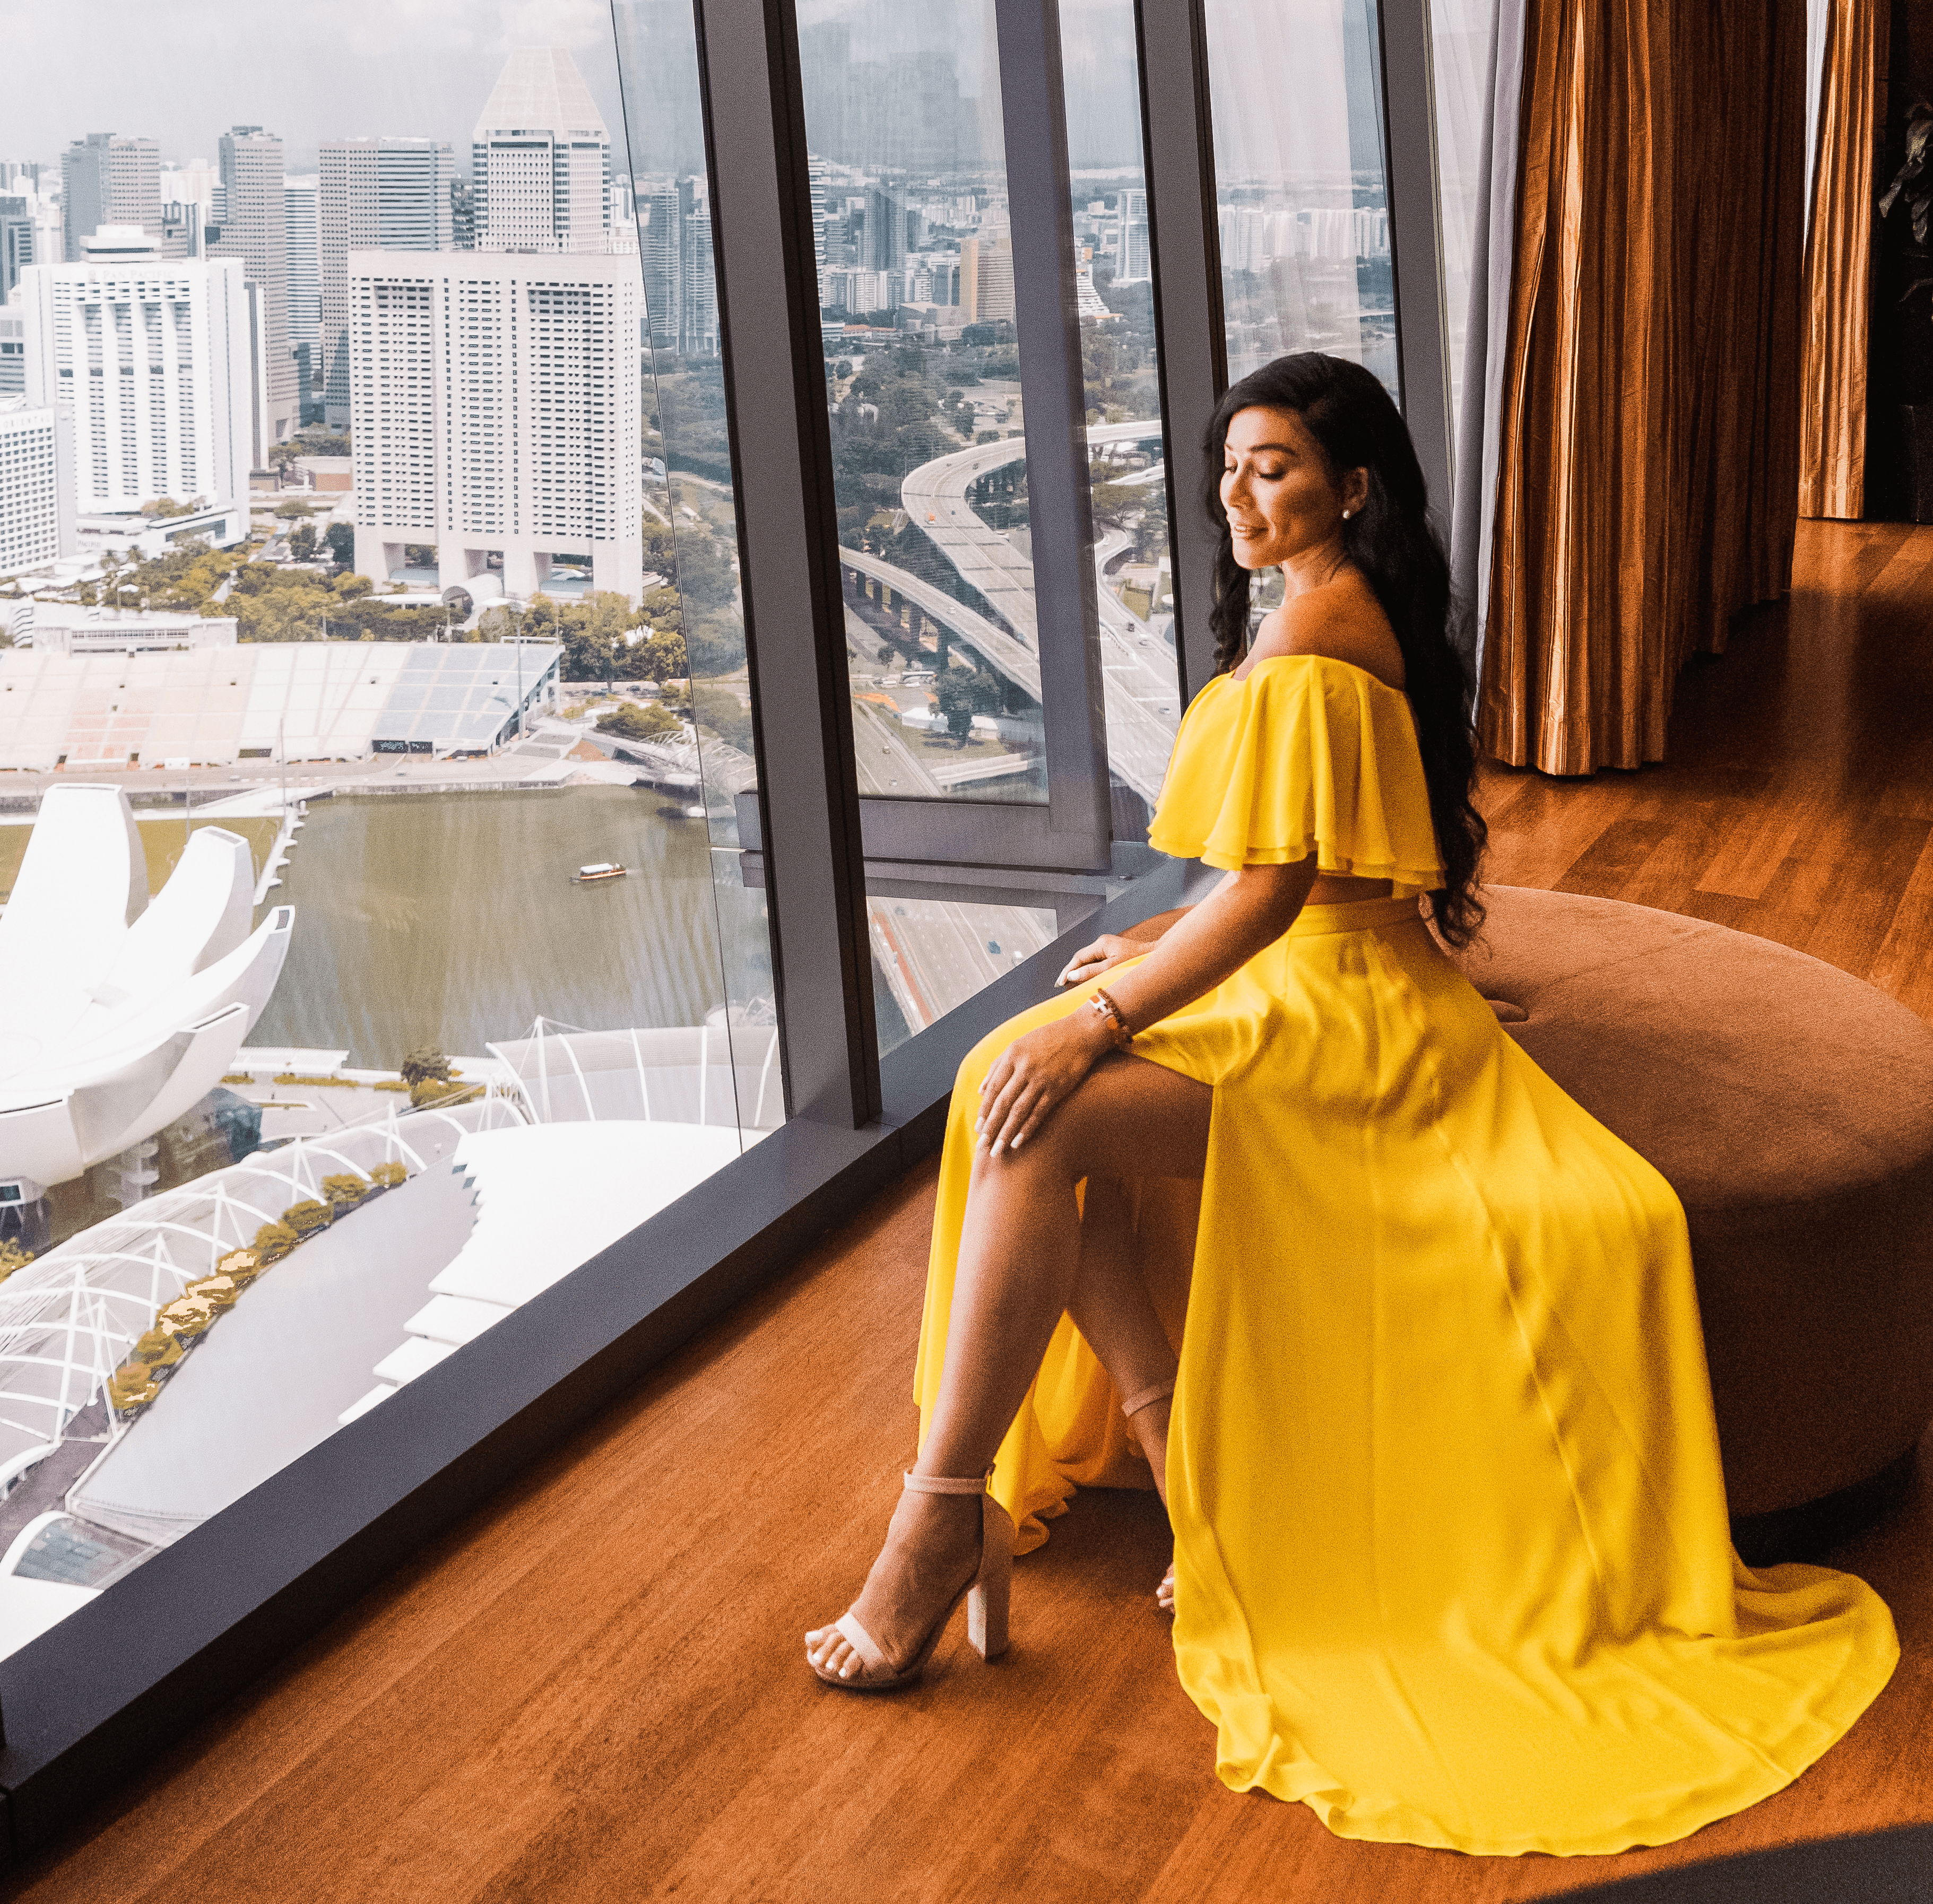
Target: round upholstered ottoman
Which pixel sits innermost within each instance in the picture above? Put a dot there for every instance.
(1791, 1107)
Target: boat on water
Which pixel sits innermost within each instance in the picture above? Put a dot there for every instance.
(587, 876)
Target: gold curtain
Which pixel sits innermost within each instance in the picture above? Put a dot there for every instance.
(1648, 445)
(1838, 265)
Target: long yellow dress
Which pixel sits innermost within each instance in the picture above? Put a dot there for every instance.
(1452, 1560)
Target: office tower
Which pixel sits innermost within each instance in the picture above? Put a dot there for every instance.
(150, 358)
(816, 169)
(886, 230)
(391, 194)
(181, 229)
(299, 216)
(662, 244)
(36, 505)
(986, 277)
(698, 296)
(454, 445)
(17, 241)
(1131, 264)
(19, 175)
(13, 350)
(108, 180)
(254, 229)
(462, 215)
(540, 160)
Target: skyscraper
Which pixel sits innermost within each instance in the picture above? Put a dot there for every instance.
(150, 359)
(886, 230)
(299, 205)
(396, 194)
(662, 243)
(17, 241)
(254, 229)
(698, 297)
(108, 180)
(1131, 264)
(494, 412)
(540, 160)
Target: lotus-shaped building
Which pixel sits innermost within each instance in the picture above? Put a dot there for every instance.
(118, 1013)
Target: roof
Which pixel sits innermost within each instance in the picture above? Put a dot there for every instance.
(540, 90)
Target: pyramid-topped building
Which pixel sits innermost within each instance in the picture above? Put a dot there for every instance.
(541, 157)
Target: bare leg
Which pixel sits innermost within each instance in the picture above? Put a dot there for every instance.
(1019, 1265)
(1116, 1316)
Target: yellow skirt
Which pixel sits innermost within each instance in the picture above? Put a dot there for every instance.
(1453, 1565)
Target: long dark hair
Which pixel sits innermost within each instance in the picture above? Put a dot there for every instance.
(1349, 413)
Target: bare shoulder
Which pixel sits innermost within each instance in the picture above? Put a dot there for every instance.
(1343, 620)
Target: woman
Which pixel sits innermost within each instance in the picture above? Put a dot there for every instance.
(1452, 1564)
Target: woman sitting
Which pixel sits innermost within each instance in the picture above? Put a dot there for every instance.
(1452, 1563)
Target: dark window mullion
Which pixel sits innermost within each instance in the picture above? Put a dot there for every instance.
(782, 475)
(1053, 396)
(1190, 328)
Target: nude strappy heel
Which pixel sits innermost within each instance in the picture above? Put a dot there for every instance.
(1164, 1594)
(986, 1596)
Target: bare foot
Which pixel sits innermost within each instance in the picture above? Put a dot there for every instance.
(932, 1549)
(1164, 1594)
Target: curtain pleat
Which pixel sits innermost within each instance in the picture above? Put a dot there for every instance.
(1838, 254)
(1647, 438)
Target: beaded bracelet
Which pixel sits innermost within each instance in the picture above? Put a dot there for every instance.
(1110, 1015)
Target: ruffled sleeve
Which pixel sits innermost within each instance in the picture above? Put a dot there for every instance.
(1305, 755)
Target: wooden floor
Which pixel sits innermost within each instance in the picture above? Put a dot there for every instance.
(593, 1689)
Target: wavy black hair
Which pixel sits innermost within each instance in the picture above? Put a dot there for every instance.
(1349, 413)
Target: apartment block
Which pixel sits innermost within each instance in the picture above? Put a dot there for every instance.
(495, 408)
(253, 228)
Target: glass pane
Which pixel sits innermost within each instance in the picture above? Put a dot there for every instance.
(1296, 96)
(1126, 452)
(932, 953)
(922, 384)
(1460, 45)
(411, 760)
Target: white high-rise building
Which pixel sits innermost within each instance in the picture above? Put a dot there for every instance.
(36, 498)
(540, 161)
(299, 206)
(1131, 261)
(495, 408)
(151, 360)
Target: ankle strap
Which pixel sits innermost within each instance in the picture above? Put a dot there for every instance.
(1148, 1397)
(941, 1484)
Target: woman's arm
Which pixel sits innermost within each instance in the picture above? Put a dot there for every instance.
(1249, 910)
(1111, 948)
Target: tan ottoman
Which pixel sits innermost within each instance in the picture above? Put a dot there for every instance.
(1791, 1107)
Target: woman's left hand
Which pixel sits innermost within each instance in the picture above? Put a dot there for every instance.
(1038, 1071)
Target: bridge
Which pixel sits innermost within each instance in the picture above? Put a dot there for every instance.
(1143, 700)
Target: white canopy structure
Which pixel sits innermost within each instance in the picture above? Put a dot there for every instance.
(117, 1015)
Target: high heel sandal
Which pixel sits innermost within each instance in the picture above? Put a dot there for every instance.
(1164, 1594)
(986, 1596)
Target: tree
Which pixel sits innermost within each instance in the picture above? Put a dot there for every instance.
(301, 541)
(340, 538)
(630, 721)
(425, 1062)
(293, 511)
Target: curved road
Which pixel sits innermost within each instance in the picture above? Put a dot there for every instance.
(1143, 700)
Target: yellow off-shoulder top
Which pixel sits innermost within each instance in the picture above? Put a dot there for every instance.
(1306, 754)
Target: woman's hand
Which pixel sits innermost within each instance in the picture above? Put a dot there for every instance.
(1103, 955)
(1038, 1071)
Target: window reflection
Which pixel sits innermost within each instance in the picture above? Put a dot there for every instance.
(1126, 453)
(371, 723)
(922, 387)
(1297, 96)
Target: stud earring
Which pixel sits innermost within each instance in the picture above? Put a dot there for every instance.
(1345, 515)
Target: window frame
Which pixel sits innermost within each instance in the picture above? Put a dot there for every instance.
(91, 1701)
